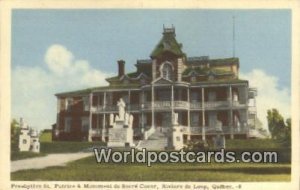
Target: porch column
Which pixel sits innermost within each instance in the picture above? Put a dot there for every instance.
(129, 101)
(143, 105)
(188, 115)
(152, 106)
(103, 127)
(90, 117)
(172, 103)
(230, 112)
(104, 118)
(58, 117)
(104, 100)
(97, 125)
(245, 124)
(203, 114)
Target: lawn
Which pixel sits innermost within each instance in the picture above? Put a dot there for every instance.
(46, 136)
(88, 170)
(53, 147)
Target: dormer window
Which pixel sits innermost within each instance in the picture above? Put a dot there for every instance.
(143, 81)
(166, 71)
(211, 76)
(193, 78)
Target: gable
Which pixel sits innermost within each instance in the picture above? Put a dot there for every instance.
(161, 80)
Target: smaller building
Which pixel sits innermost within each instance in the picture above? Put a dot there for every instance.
(28, 139)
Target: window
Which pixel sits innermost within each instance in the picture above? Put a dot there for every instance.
(166, 71)
(194, 96)
(86, 103)
(85, 124)
(211, 76)
(164, 95)
(195, 119)
(68, 103)
(193, 79)
(125, 99)
(24, 141)
(68, 121)
(143, 81)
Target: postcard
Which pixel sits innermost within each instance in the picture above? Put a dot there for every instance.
(191, 95)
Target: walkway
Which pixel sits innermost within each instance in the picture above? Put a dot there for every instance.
(47, 161)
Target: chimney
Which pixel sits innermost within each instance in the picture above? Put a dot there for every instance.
(121, 64)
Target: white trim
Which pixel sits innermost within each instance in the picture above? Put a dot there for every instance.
(162, 66)
(159, 78)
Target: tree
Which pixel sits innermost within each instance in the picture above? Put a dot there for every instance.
(287, 132)
(258, 124)
(276, 124)
(14, 131)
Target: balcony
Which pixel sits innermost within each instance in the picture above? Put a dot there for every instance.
(252, 110)
(166, 105)
(213, 130)
(98, 132)
(111, 108)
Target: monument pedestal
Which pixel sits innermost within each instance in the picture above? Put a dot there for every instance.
(120, 137)
(120, 133)
(175, 138)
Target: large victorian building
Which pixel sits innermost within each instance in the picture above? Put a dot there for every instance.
(202, 91)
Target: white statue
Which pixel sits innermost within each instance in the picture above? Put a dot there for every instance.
(34, 141)
(126, 122)
(121, 105)
(28, 139)
(121, 134)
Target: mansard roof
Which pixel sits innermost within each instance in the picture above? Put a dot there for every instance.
(206, 71)
(168, 43)
(213, 62)
(201, 66)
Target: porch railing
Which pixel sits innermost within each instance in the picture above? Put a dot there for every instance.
(167, 105)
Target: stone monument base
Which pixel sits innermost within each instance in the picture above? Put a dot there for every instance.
(120, 137)
(175, 138)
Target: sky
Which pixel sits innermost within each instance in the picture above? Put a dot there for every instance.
(61, 50)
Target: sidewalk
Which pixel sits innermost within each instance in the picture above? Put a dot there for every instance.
(47, 161)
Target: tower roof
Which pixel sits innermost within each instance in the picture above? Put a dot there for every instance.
(168, 43)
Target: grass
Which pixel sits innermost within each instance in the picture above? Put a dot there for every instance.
(53, 147)
(252, 144)
(46, 137)
(88, 170)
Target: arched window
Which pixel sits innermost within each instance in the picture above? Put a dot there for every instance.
(167, 71)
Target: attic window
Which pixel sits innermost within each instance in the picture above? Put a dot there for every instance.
(193, 79)
(143, 81)
(211, 77)
(166, 71)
